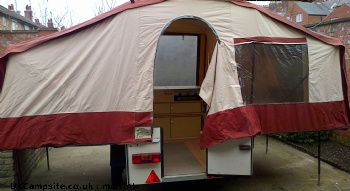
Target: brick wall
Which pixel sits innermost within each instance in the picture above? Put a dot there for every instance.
(7, 173)
(12, 37)
(311, 19)
(295, 10)
(28, 160)
(9, 37)
(6, 23)
(339, 29)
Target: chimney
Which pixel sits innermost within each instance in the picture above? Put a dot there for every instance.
(50, 24)
(28, 13)
(37, 22)
(11, 8)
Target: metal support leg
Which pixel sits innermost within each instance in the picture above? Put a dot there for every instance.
(47, 158)
(319, 159)
(267, 143)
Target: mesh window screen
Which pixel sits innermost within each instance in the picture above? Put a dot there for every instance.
(272, 73)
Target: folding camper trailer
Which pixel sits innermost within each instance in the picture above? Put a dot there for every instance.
(178, 88)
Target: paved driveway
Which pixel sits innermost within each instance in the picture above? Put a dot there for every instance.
(283, 168)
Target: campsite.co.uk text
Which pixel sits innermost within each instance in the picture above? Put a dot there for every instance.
(57, 186)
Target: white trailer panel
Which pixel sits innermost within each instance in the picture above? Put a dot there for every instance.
(138, 173)
(232, 157)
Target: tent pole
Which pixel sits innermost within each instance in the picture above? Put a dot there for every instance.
(47, 158)
(267, 143)
(319, 158)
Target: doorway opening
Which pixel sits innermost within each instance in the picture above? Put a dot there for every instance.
(182, 59)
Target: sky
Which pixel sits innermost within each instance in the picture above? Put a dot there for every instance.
(82, 10)
(261, 2)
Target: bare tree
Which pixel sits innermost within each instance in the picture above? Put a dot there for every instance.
(62, 19)
(104, 6)
(65, 19)
(43, 14)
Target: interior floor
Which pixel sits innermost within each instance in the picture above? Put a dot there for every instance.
(183, 157)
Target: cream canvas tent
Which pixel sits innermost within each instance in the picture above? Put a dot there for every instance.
(93, 83)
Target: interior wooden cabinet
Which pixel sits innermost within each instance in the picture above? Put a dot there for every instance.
(186, 107)
(161, 108)
(179, 119)
(163, 122)
(163, 96)
(185, 126)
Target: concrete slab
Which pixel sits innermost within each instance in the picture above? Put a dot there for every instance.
(282, 168)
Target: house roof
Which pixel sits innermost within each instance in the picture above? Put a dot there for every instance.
(315, 8)
(17, 16)
(337, 2)
(339, 12)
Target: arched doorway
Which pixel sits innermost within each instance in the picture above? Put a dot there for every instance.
(183, 54)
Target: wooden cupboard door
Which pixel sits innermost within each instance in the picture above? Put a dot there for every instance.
(165, 124)
(182, 127)
(192, 107)
(161, 108)
(163, 96)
